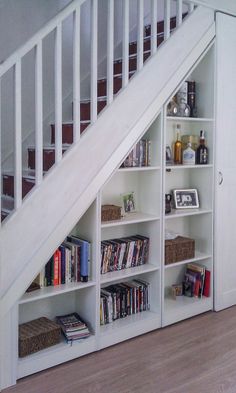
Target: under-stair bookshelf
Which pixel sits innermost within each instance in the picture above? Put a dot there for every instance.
(148, 185)
(196, 223)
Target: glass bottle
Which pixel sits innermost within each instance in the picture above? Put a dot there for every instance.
(178, 147)
(202, 151)
(189, 155)
(172, 107)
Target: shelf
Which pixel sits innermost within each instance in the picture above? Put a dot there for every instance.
(199, 256)
(127, 273)
(185, 213)
(184, 307)
(54, 355)
(128, 327)
(46, 292)
(189, 119)
(131, 218)
(139, 169)
(168, 167)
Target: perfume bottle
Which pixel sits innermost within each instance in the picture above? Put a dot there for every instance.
(189, 155)
(178, 147)
(202, 151)
(172, 107)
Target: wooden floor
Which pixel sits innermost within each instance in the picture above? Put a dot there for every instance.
(194, 356)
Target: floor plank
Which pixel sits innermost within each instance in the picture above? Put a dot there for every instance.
(194, 356)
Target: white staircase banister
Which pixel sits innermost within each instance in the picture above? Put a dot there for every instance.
(179, 12)
(125, 43)
(226, 6)
(153, 27)
(166, 19)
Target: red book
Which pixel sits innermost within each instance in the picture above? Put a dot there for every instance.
(207, 283)
(56, 267)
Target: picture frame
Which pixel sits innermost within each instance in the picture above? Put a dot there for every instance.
(186, 198)
(128, 202)
(169, 159)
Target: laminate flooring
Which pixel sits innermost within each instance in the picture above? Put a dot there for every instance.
(195, 356)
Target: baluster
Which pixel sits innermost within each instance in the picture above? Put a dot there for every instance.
(94, 60)
(38, 114)
(76, 75)
(58, 93)
(0, 146)
(179, 12)
(153, 27)
(18, 138)
(140, 36)
(166, 19)
(190, 7)
(125, 44)
(110, 51)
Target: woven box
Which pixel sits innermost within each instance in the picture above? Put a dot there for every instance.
(37, 334)
(179, 249)
(111, 212)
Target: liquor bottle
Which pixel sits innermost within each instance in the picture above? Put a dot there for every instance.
(202, 151)
(189, 155)
(192, 98)
(178, 147)
(172, 107)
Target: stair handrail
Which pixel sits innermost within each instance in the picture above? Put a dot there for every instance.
(36, 42)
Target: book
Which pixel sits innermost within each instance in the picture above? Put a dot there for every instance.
(84, 255)
(207, 284)
(73, 327)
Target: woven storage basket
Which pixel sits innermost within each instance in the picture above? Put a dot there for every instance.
(111, 212)
(179, 249)
(38, 334)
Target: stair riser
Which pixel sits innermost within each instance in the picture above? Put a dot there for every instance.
(48, 159)
(67, 132)
(102, 87)
(8, 185)
(85, 109)
(132, 64)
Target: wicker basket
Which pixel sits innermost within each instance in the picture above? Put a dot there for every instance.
(111, 212)
(179, 249)
(38, 334)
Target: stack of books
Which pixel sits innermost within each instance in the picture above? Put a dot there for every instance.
(196, 281)
(73, 327)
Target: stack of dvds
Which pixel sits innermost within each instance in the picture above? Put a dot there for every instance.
(120, 300)
(117, 254)
(73, 327)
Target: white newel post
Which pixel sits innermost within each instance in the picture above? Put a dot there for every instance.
(8, 347)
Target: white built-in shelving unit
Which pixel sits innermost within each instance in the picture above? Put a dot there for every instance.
(149, 185)
(193, 223)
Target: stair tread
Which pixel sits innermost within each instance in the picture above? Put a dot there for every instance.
(51, 147)
(26, 173)
(7, 203)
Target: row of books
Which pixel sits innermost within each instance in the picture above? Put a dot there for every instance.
(73, 327)
(196, 281)
(139, 156)
(123, 253)
(120, 300)
(69, 263)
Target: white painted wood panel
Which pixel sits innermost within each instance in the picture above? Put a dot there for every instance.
(225, 229)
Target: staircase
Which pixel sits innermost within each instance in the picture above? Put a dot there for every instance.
(40, 204)
(28, 174)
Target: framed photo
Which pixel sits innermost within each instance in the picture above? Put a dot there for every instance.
(128, 202)
(169, 160)
(186, 199)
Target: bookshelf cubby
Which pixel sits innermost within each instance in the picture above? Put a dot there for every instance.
(149, 185)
